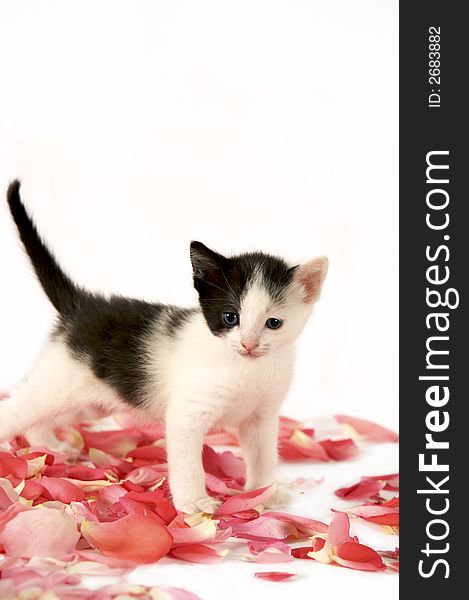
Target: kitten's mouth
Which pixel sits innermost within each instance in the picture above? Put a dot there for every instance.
(251, 354)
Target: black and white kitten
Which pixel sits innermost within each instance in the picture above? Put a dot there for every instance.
(227, 362)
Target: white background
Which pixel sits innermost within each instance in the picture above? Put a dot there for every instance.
(138, 126)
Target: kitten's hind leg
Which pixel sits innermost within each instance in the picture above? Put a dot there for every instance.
(57, 384)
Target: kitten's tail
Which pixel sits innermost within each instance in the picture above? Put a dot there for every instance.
(61, 291)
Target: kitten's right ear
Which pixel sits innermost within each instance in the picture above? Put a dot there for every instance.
(204, 260)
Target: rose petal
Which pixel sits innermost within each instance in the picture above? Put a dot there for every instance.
(32, 490)
(111, 494)
(13, 466)
(147, 476)
(337, 534)
(361, 490)
(245, 501)
(62, 490)
(302, 552)
(105, 460)
(274, 575)
(357, 556)
(217, 486)
(303, 524)
(118, 442)
(85, 473)
(261, 529)
(269, 552)
(381, 514)
(152, 454)
(224, 464)
(391, 481)
(198, 553)
(8, 495)
(367, 429)
(340, 449)
(39, 532)
(134, 537)
(301, 446)
(204, 532)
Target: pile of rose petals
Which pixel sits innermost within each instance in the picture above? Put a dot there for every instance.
(380, 510)
(101, 506)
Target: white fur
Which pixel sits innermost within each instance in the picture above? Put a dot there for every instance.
(196, 381)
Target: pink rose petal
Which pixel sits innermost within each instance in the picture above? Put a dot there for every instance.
(261, 529)
(8, 496)
(198, 553)
(224, 464)
(217, 486)
(39, 532)
(134, 537)
(368, 430)
(303, 524)
(118, 442)
(270, 552)
(337, 534)
(203, 532)
(244, 501)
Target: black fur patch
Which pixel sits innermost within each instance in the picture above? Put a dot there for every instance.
(111, 337)
(221, 282)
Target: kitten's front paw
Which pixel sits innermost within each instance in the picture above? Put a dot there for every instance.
(207, 504)
(280, 497)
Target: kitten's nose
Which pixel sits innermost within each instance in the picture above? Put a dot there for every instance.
(249, 345)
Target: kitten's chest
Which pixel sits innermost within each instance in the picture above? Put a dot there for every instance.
(243, 389)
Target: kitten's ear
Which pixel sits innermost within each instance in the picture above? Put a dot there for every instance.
(204, 260)
(310, 276)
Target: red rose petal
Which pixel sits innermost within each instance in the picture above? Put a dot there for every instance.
(340, 449)
(135, 537)
(62, 490)
(361, 490)
(274, 575)
(368, 430)
(12, 466)
(300, 446)
(118, 442)
(302, 552)
(357, 556)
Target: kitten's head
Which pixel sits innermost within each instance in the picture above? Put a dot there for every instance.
(255, 302)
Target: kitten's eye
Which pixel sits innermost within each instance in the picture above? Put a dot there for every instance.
(274, 323)
(231, 318)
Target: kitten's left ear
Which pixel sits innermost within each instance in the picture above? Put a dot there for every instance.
(310, 276)
(204, 261)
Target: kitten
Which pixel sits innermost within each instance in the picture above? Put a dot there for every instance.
(227, 362)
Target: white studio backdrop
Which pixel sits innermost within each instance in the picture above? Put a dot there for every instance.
(136, 127)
